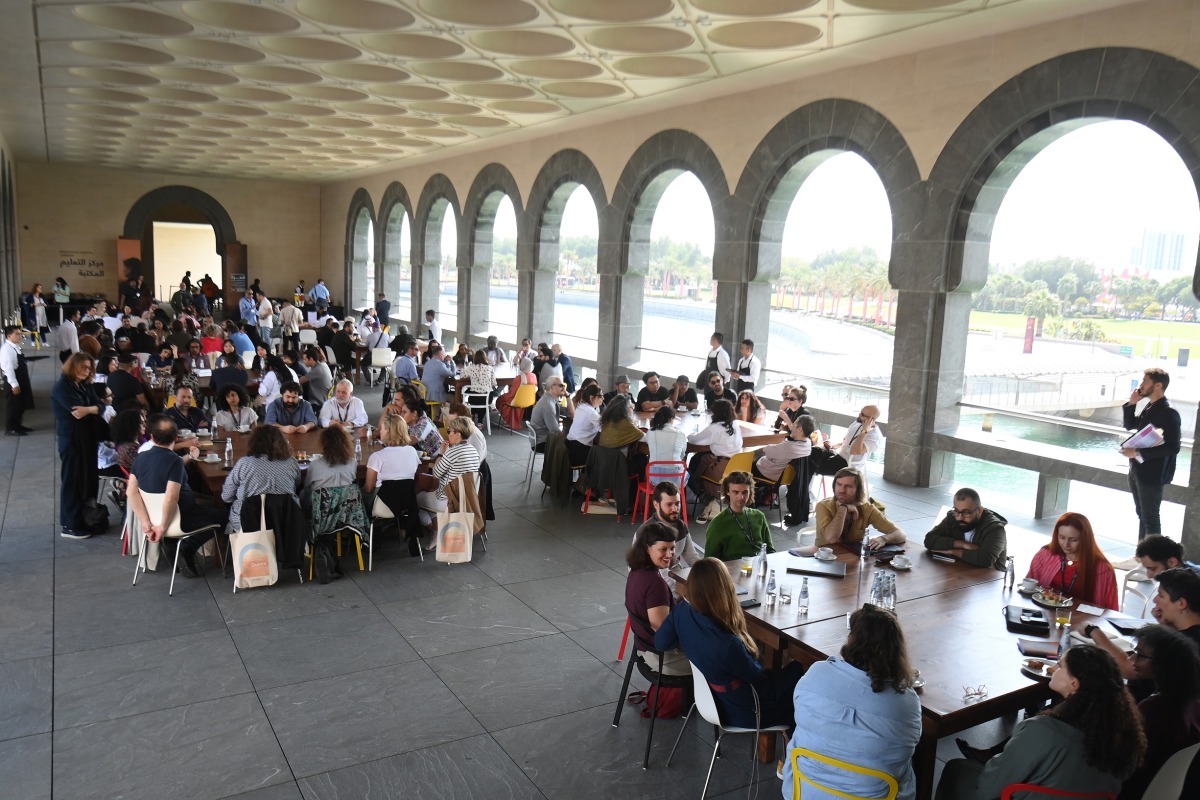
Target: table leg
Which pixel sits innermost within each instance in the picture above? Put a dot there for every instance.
(357, 366)
(925, 762)
(766, 747)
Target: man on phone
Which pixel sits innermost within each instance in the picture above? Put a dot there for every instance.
(862, 438)
(1151, 468)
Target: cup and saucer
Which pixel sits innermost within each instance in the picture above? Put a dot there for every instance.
(825, 554)
(902, 562)
(212, 458)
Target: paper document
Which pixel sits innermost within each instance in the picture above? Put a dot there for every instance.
(1148, 436)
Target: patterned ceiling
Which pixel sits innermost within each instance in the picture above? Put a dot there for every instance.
(318, 89)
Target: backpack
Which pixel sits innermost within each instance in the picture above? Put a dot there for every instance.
(94, 517)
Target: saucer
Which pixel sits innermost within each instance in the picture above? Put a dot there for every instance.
(904, 566)
(819, 557)
(212, 458)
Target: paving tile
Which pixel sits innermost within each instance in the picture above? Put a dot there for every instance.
(25, 767)
(351, 719)
(463, 770)
(93, 573)
(298, 649)
(571, 602)
(26, 544)
(409, 578)
(121, 681)
(529, 559)
(225, 746)
(138, 614)
(520, 682)
(280, 791)
(465, 621)
(27, 613)
(25, 697)
(582, 756)
(603, 642)
(286, 599)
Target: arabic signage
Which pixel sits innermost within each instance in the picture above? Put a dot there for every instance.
(73, 264)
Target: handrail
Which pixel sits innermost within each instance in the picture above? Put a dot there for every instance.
(575, 336)
(1035, 416)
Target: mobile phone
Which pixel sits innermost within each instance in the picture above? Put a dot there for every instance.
(940, 557)
(751, 602)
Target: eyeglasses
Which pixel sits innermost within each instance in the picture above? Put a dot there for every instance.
(964, 513)
(974, 693)
(1142, 654)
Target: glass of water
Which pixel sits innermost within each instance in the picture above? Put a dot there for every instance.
(785, 593)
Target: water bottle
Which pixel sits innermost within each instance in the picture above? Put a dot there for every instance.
(762, 561)
(228, 452)
(1010, 573)
(370, 434)
(802, 601)
(865, 550)
(358, 449)
(1064, 642)
(877, 589)
(771, 582)
(889, 600)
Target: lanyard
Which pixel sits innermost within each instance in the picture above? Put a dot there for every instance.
(338, 408)
(745, 529)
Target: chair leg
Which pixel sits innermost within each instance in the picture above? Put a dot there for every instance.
(358, 547)
(174, 570)
(679, 736)
(711, 763)
(624, 639)
(141, 561)
(653, 716)
(624, 689)
(370, 548)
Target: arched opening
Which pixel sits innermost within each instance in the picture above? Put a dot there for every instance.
(671, 239)
(397, 268)
(495, 248)
(571, 226)
(1088, 282)
(443, 229)
(182, 249)
(361, 287)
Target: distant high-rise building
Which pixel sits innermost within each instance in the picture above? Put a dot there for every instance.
(1161, 251)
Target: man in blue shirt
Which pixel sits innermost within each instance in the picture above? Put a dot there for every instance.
(241, 342)
(320, 296)
(247, 308)
(289, 412)
(405, 367)
(160, 471)
(568, 369)
(438, 370)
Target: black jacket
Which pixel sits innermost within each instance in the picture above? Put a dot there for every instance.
(1158, 463)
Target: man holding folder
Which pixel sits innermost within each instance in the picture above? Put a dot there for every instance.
(1150, 467)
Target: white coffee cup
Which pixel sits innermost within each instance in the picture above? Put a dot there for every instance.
(824, 552)
(1029, 584)
(212, 458)
(902, 562)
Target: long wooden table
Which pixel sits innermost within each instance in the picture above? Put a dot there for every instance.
(754, 435)
(952, 616)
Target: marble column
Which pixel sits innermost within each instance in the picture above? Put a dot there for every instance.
(535, 304)
(620, 329)
(473, 303)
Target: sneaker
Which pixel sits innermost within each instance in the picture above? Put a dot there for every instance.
(68, 533)
(429, 542)
(779, 769)
(791, 521)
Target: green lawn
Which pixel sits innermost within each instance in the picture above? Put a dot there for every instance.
(1145, 336)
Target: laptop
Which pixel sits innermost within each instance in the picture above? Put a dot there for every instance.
(815, 566)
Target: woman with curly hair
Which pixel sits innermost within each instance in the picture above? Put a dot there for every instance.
(859, 707)
(1073, 565)
(1092, 741)
(711, 628)
(749, 407)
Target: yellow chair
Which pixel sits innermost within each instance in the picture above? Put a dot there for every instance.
(799, 779)
(338, 534)
(785, 479)
(739, 462)
(525, 397)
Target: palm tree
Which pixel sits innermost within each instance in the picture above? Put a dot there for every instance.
(1041, 304)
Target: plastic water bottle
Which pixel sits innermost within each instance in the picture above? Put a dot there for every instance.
(358, 449)
(889, 600)
(771, 582)
(762, 562)
(1010, 573)
(228, 451)
(877, 589)
(865, 550)
(802, 601)
(1064, 642)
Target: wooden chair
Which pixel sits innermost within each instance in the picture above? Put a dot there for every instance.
(799, 778)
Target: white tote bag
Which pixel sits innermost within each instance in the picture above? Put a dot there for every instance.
(254, 554)
(455, 532)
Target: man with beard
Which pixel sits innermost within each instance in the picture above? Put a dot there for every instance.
(289, 412)
(667, 505)
(971, 533)
(184, 414)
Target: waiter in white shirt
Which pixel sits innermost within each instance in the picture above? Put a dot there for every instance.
(343, 408)
(18, 394)
(435, 327)
(748, 368)
(68, 336)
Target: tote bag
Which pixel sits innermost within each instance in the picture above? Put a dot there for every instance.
(254, 554)
(455, 532)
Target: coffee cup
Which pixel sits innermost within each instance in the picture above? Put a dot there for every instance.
(902, 562)
(1029, 584)
(825, 552)
(212, 458)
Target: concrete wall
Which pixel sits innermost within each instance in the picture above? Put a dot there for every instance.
(71, 208)
(9, 283)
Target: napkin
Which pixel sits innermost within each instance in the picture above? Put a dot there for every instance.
(1091, 611)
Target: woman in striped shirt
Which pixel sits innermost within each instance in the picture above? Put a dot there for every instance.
(458, 458)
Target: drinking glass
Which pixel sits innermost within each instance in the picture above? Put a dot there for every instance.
(785, 593)
(1063, 617)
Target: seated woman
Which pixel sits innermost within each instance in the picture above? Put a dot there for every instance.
(1090, 742)
(750, 408)
(276, 375)
(458, 458)
(161, 359)
(390, 473)
(648, 598)
(791, 406)
(481, 374)
(477, 439)
(233, 409)
(577, 398)
(618, 429)
(181, 375)
(212, 341)
(666, 443)
(1073, 565)
(463, 356)
(331, 494)
(724, 440)
(514, 418)
(267, 468)
(585, 425)
(1171, 715)
(859, 707)
(261, 353)
(711, 628)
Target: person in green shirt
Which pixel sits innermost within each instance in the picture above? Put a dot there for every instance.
(738, 531)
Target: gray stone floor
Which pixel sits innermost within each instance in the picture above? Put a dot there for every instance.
(490, 680)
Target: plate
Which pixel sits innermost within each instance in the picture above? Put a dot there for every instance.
(1027, 592)
(1031, 668)
(820, 557)
(901, 566)
(1043, 601)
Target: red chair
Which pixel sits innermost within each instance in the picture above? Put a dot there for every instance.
(1007, 794)
(644, 487)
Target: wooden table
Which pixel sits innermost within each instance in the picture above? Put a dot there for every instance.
(753, 434)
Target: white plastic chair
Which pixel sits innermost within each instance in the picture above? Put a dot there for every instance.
(1130, 585)
(154, 504)
(380, 510)
(248, 359)
(381, 359)
(484, 404)
(308, 336)
(707, 707)
(142, 359)
(1168, 781)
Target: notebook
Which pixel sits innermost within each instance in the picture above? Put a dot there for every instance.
(815, 566)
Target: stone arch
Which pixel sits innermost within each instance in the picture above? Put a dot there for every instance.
(394, 207)
(142, 212)
(651, 168)
(475, 260)
(362, 211)
(437, 198)
(792, 150)
(555, 183)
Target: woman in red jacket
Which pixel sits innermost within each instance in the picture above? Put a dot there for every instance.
(1074, 565)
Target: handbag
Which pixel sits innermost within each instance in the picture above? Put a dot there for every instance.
(826, 462)
(254, 554)
(455, 532)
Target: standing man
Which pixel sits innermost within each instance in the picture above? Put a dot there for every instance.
(68, 335)
(264, 313)
(319, 296)
(290, 319)
(1151, 468)
(971, 533)
(749, 367)
(667, 505)
(343, 408)
(568, 369)
(738, 531)
(383, 309)
(846, 516)
(435, 327)
(18, 395)
(717, 360)
(247, 308)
